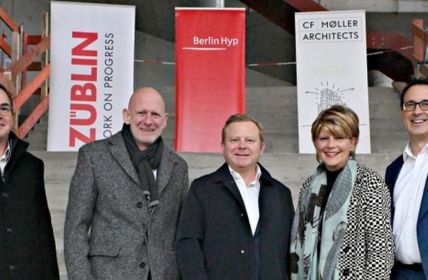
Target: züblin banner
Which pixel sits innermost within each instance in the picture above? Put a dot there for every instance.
(92, 72)
(331, 69)
(210, 75)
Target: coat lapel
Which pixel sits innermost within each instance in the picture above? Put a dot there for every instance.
(227, 180)
(392, 173)
(424, 203)
(391, 179)
(117, 148)
(165, 170)
(422, 229)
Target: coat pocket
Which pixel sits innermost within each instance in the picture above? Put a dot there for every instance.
(104, 251)
(106, 263)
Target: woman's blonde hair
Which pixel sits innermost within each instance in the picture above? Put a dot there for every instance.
(339, 121)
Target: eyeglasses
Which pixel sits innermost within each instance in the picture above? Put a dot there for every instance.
(409, 106)
(5, 111)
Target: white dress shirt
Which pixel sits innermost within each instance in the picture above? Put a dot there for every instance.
(250, 196)
(407, 199)
(5, 158)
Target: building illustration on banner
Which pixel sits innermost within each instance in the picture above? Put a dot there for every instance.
(329, 95)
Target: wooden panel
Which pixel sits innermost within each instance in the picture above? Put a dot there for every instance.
(8, 20)
(418, 35)
(33, 39)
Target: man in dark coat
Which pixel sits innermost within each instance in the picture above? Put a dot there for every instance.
(236, 221)
(27, 245)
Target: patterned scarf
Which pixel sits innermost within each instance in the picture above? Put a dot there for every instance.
(145, 162)
(315, 255)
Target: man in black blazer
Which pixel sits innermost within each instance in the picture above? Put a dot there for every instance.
(27, 245)
(236, 221)
(407, 178)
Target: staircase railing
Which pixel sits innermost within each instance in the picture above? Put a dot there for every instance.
(27, 53)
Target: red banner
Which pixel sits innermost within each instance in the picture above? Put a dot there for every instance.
(210, 75)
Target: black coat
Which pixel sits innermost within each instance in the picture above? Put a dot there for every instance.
(214, 239)
(27, 245)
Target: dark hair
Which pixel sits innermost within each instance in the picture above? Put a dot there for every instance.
(242, 118)
(412, 83)
(9, 95)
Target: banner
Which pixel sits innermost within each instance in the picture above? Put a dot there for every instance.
(331, 69)
(210, 75)
(92, 72)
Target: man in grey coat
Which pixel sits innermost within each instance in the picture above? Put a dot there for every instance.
(125, 198)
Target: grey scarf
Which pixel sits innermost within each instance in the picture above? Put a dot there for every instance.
(315, 254)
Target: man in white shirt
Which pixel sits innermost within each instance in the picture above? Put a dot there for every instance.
(236, 222)
(407, 179)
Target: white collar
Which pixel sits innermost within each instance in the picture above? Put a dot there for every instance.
(236, 176)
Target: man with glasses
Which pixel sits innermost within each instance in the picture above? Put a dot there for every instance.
(27, 245)
(407, 179)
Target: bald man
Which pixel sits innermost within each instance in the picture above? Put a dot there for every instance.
(125, 199)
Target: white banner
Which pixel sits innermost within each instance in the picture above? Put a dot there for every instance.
(92, 72)
(331, 69)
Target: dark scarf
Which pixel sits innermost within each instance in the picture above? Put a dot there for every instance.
(145, 162)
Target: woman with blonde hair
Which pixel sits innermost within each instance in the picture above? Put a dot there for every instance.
(342, 228)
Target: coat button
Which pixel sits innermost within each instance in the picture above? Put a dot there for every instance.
(9, 230)
(346, 272)
(5, 194)
(142, 265)
(140, 204)
(242, 251)
(12, 267)
(242, 214)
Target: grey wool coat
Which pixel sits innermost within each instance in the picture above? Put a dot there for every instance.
(109, 232)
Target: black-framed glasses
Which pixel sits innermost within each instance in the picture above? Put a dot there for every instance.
(410, 105)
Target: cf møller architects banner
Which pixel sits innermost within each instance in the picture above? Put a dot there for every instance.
(92, 71)
(331, 69)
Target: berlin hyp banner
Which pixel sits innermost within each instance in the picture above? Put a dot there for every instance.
(331, 69)
(92, 72)
(210, 75)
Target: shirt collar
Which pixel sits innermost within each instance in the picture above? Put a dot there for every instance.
(7, 153)
(408, 152)
(236, 176)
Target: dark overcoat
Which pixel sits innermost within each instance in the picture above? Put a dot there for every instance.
(215, 240)
(27, 245)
